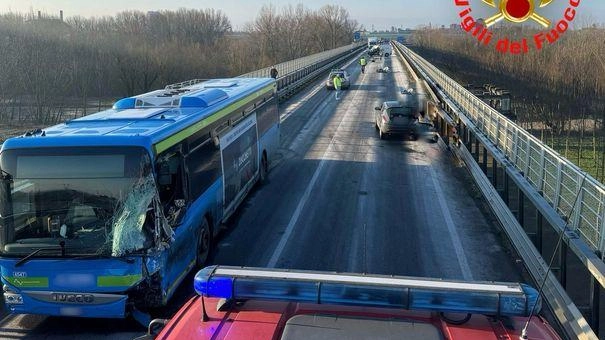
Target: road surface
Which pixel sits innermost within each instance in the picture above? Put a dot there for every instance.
(340, 199)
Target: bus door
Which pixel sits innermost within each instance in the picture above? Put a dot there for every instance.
(239, 159)
(173, 195)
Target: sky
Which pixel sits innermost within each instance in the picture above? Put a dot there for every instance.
(378, 14)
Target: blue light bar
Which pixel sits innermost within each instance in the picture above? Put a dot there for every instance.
(488, 298)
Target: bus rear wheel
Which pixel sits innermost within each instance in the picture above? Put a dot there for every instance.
(204, 244)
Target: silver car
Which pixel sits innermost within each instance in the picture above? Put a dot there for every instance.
(392, 117)
(344, 75)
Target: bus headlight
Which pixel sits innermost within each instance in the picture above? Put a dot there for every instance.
(12, 298)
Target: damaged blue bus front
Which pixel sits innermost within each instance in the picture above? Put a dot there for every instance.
(105, 215)
(83, 231)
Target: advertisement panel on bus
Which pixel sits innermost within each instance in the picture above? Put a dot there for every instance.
(239, 156)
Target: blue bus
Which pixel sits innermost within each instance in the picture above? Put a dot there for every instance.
(103, 216)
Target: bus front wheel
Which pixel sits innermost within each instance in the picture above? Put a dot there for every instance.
(204, 243)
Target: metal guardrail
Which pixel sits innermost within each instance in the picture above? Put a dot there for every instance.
(294, 73)
(567, 314)
(556, 178)
(291, 66)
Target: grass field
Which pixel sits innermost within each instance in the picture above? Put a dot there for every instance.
(581, 152)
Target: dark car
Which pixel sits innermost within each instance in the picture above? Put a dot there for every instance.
(393, 117)
(374, 51)
(346, 82)
(426, 130)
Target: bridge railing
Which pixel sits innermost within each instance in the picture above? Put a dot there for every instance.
(556, 178)
(295, 74)
(291, 66)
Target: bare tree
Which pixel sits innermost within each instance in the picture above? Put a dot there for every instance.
(567, 98)
(51, 70)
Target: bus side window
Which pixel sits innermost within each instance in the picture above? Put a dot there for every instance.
(204, 167)
(171, 186)
(266, 116)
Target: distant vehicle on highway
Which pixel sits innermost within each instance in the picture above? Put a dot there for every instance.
(394, 117)
(103, 216)
(372, 41)
(344, 76)
(245, 303)
(374, 51)
(386, 50)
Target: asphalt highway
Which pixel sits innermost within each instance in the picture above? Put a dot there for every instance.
(340, 199)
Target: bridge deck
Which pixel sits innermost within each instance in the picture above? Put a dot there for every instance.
(341, 199)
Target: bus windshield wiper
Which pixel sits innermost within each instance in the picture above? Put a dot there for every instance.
(32, 254)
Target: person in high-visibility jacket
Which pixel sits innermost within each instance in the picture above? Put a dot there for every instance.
(363, 63)
(337, 84)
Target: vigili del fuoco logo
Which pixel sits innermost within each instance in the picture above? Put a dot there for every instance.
(518, 12)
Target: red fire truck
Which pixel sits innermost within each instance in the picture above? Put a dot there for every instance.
(255, 303)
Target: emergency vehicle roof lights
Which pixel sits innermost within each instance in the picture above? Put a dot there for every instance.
(488, 298)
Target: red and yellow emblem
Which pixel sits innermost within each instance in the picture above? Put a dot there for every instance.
(517, 11)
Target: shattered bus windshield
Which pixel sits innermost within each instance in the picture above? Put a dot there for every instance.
(89, 200)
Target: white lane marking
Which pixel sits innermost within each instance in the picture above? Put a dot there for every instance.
(303, 200)
(464, 267)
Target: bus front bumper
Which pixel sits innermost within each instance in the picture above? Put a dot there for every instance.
(88, 305)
